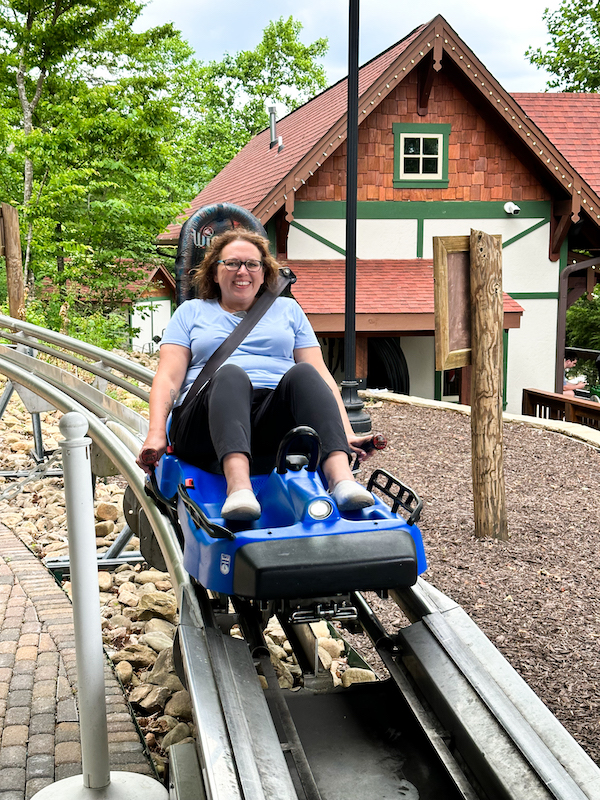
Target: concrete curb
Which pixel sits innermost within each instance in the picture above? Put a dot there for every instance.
(590, 436)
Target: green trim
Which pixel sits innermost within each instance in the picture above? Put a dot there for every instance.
(534, 295)
(437, 391)
(420, 129)
(272, 236)
(526, 232)
(420, 237)
(421, 209)
(316, 236)
(504, 366)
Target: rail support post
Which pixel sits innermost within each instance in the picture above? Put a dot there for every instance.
(97, 781)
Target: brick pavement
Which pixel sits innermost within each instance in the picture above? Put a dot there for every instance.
(39, 722)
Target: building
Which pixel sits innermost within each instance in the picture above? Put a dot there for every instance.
(443, 148)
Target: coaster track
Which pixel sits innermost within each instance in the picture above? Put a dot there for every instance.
(453, 720)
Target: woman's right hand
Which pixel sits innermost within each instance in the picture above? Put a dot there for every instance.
(152, 450)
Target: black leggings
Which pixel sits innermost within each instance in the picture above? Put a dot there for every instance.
(233, 417)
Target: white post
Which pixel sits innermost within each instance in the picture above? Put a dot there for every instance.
(76, 456)
(79, 500)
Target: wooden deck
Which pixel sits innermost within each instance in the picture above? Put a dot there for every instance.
(550, 405)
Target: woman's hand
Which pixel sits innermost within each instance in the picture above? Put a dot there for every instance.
(152, 450)
(357, 445)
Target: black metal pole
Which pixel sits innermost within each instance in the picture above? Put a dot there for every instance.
(359, 419)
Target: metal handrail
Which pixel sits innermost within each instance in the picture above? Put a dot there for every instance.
(119, 363)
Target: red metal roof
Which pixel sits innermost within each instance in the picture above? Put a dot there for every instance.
(257, 169)
(571, 120)
(382, 286)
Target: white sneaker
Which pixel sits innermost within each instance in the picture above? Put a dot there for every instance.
(241, 505)
(351, 496)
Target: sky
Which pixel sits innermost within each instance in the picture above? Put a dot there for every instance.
(498, 33)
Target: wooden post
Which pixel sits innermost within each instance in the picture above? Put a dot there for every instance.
(486, 386)
(14, 263)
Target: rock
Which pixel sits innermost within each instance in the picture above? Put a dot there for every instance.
(125, 576)
(356, 675)
(335, 647)
(164, 724)
(138, 655)
(163, 672)
(179, 732)
(275, 631)
(277, 651)
(151, 576)
(157, 640)
(325, 657)
(161, 625)
(284, 676)
(104, 581)
(120, 621)
(128, 598)
(124, 671)
(263, 682)
(155, 700)
(159, 604)
(107, 511)
(104, 528)
(163, 586)
(139, 693)
(320, 629)
(179, 705)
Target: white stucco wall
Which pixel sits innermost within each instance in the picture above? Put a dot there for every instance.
(419, 352)
(531, 352)
(375, 238)
(526, 270)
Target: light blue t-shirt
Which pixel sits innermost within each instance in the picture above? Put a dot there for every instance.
(266, 353)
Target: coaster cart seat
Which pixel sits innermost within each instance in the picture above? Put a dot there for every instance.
(302, 546)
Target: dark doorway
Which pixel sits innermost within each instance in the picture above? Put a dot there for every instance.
(387, 365)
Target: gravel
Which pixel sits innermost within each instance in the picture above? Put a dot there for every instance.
(536, 595)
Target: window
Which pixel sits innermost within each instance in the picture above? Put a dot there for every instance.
(420, 155)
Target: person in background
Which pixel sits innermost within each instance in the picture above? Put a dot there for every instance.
(275, 380)
(571, 385)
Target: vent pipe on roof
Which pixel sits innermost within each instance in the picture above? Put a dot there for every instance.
(276, 141)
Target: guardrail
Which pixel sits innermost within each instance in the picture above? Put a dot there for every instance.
(551, 405)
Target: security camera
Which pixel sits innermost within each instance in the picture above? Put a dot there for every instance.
(512, 209)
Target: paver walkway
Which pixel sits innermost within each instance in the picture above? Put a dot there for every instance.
(39, 723)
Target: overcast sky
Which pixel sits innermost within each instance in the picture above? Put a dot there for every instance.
(498, 33)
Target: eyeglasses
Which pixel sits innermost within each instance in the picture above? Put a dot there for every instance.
(233, 264)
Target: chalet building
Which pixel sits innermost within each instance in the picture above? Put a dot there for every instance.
(443, 148)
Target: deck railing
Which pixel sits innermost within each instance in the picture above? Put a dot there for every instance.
(550, 405)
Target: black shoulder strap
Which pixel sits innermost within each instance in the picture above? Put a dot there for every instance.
(285, 278)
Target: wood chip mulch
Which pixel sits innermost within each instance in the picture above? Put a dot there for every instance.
(535, 596)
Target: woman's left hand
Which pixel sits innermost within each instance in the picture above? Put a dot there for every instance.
(357, 443)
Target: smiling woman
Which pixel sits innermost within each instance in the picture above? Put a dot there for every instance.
(274, 381)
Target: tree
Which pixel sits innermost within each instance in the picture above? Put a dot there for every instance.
(233, 93)
(573, 56)
(106, 134)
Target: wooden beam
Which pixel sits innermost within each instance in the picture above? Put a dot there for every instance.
(425, 75)
(489, 502)
(14, 263)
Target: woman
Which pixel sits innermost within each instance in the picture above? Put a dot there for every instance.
(275, 380)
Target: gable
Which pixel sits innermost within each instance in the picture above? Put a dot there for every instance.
(481, 167)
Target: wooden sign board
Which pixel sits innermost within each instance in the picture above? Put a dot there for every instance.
(452, 299)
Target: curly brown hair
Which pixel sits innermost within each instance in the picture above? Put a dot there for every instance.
(203, 279)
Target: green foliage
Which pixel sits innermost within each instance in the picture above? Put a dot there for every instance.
(573, 55)
(583, 322)
(229, 106)
(116, 131)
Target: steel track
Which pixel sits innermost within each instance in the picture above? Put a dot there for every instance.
(452, 721)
